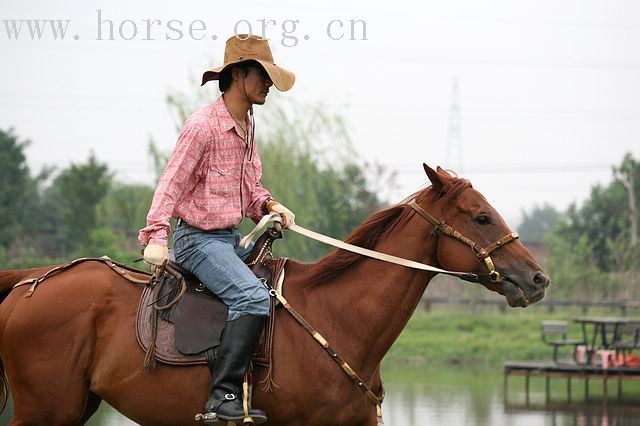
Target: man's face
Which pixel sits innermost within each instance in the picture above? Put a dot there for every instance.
(257, 84)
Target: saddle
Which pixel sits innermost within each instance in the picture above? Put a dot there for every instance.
(189, 329)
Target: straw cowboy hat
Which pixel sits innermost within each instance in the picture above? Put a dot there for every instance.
(244, 47)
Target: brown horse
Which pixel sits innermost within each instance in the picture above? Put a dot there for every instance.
(73, 344)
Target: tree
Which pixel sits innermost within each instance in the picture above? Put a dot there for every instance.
(307, 160)
(592, 248)
(626, 174)
(601, 220)
(120, 215)
(538, 223)
(123, 211)
(77, 214)
(575, 272)
(80, 187)
(15, 182)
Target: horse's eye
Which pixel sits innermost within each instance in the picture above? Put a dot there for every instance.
(483, 219)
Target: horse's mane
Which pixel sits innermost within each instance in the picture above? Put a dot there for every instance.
(368, 234)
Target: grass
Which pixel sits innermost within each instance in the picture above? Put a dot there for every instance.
(458, 336)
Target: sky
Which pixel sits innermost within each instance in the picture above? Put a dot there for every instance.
(548, 92)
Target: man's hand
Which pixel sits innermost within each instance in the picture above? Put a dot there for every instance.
(288, 218)
(155, 255)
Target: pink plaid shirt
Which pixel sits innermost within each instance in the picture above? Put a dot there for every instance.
(209, 181)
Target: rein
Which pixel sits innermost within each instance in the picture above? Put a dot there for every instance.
(482, 254)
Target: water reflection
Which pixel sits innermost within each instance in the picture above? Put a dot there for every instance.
(107, 416)
(474, 397)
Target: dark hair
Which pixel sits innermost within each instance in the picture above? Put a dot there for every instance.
(225, 78)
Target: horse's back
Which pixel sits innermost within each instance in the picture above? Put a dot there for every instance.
(11, 277)
(79, 286)
(53, 341)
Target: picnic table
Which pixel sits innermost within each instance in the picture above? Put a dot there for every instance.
(605, 334)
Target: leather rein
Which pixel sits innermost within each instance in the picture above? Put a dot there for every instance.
(480, 253)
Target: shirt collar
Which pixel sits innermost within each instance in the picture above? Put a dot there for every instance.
(225, 119)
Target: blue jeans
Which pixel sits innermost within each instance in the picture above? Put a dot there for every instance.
(217, 259)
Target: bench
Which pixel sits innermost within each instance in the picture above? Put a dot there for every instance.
(627, 338)
(555, 333)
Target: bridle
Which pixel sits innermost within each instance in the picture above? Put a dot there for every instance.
(480, 253)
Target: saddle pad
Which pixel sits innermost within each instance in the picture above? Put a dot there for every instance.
(165, 350)
(195, 324)
(199, 317)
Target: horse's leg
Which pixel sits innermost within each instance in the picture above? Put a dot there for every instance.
(76, 337)
(49, 389)
(48, 344)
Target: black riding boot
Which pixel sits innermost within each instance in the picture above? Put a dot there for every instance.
(232, 361)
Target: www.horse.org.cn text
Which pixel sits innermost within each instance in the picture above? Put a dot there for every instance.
(287, 32)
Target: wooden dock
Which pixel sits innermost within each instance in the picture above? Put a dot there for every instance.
(568, 370)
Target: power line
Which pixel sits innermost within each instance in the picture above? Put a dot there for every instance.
(529, 168)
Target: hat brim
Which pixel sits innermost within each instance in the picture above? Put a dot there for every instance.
(283, 79)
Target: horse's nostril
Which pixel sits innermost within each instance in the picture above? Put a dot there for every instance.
(540, 278)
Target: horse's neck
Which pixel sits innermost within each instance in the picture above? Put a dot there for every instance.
(368, 305)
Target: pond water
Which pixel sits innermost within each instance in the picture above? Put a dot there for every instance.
(475, 397)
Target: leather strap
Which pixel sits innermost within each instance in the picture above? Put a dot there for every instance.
(115, 266)
(346, 368)
(467, 276)
(482, 254)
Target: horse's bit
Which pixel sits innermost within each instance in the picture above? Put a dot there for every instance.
(481, 254)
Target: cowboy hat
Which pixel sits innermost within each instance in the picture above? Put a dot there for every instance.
(245, 47)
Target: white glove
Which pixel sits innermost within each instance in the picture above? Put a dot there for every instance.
(155, 255)
(288, 218)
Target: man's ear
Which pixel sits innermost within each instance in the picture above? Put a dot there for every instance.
(236, 73)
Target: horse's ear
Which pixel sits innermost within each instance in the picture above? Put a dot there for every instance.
(442, 172)
(435, 177)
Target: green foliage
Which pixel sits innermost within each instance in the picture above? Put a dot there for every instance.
(325, 190)
(123, 210)
(101, 241)
(80, 213)
(538, 223)
(81, 187)
(15, 183)
(158, 158)
(465, 336)
(592, 256)
(604, 221)
(575, 271)
(307, 161)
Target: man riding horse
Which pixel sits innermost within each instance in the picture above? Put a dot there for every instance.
(211, 182)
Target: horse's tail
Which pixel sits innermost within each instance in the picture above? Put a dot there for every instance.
(4, 388)
(7, 280)
(10, 278)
